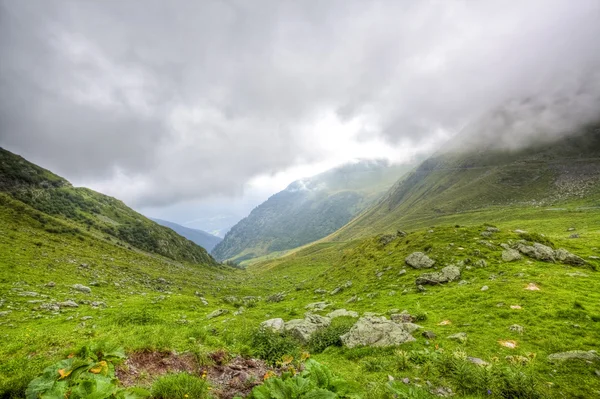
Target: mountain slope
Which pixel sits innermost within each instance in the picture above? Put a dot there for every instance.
(308, 210)
(202, 238)
(566, 171)
(93, 211)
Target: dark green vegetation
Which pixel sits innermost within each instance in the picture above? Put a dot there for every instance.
(308, 210)
(202, 238)
(148, 303)
(92, 211)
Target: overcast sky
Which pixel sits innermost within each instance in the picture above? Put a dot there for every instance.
(189, 110)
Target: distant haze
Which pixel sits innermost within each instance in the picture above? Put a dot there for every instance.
(179, 107)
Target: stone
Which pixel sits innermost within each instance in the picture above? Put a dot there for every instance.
(410, 327)
(516, 328)
(590, 356)
(419, 260)
(481, 263)
(68, 304)
(317, 306)
(342, 313)
(5, 313)
(403, 317)
(204, 301)
(336, 291)
(28, 294)
(379, 275)
(84, 318)
(577, 274)
(575, 235)
(217, 313)
(280, 296)
(564, 256)
(428, 334)
(477, 361)
(493, 229)
(53, 307)
(420, 288)
(537, 251)
(485, 288)
(320, 291)
(51, 284)
(303, 329)
(82, 288)
(571, 229)
(376, 331)
(98, 304)
(520, 231)
(402, 272)
(447, 274)
(463, 282)
(274, 325)
(511, 255)
(460, 337)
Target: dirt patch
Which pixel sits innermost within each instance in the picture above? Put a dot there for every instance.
(227, 377)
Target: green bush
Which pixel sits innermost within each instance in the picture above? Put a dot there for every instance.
(271, 346)
(179, 386)
(330, 336)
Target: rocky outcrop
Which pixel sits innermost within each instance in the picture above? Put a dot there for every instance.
(273, 325)
(447, 274)
(303, 329)
(564, 256)
(419, 260)
(376, 331)
(537, 251)
(511, 255)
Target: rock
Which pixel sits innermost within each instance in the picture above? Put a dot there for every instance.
(320, 291)
(577, 274)
(303, 329)
(420, 288)
(239, 311)
(353, 299)
(460, 337)
(98, 304)
(82, 288)
(347, 284)
(463, 282)
(429, 334)
(317, 306)
(571, 229)
(5, 313)
(564, 256)
(280, 296)
(342, 313)
(402, 272)
(28, 294)
(217, 313)
(84, 318)
(493, 229)
(575, 235)
(516, 328)
(485, 288)
(537, 251)
(379, 275)
(274, 325)
(68, 304)
(486, 233)
(590, 356)
(520, 231)
(336, 291)
(161, 280)
(419, 260)
(410, 327)
(376, 331)
(51, 284)
(204, 301)
(403, 317)
(511, 255)
(447, 274)
(481, 263)
(477, 361)
(53, 307)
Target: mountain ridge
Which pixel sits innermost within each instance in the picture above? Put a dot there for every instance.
(200, 237)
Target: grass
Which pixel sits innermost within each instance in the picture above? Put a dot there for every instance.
(180, 386)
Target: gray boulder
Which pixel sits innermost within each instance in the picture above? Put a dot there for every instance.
(419, 260)
(274, 325)
(342, 313)
(82, 288)
(447, 274)
(511, 255)
(537, 251)
(303, 329)
(376, 331)
(590, 356)
(564, 256)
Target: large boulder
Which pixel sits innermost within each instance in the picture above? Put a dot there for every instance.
(376, 331)
(590, 356)
(564, 256)
(537, 251)
(419, 260)
(303, 329)
(447, 274)
(274, 325)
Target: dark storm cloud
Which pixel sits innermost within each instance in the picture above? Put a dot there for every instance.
(183, 99)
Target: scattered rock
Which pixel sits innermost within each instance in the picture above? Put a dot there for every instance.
(508, 343)
(564, 256)
(353, 299)
(429, 334)
(493, 229)
(447, 274)
(280, 296)
(511, 255)
(481, 263)
(28, 294)
(217, 313)
(477, 361)
(516, 328)
(590, 356)
(402, 272)
(460, 337)
(575, 235)
(317, 306)
(303, 329)
(335, 291)
(577, 274)
(82, 288)
(51, 284)
(84, 318)
(419, 260)
(275, 325)
(204, 301)
(342, 313)
(520, 231)
(485, 288)
(68, 304)
(571, 229)
(320, 291)
(486, 233)
(403, 317)
(376, 331)
(420, 288)
(537, 251)
(97, 304)
(532, 287)
(5, 313)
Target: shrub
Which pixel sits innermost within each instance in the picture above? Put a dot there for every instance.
(179, 386)
(330, 336)
(271, 346)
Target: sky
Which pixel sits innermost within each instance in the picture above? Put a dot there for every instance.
(197, 111)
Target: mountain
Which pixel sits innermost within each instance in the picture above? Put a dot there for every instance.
(202, 238)
(308, 209)
(54, 196)
(473, 180)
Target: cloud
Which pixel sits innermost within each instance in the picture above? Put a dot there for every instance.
(166, 102)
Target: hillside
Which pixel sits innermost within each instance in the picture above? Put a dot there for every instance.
(470, 181)
(202, 238)
(308, 210)
(92, 211)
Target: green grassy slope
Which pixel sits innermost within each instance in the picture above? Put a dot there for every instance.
(308, 210)
(55, 196)
(449, 183)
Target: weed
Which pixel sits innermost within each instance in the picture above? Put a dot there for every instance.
(180, 386)
(271, 346)
(330, 336)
